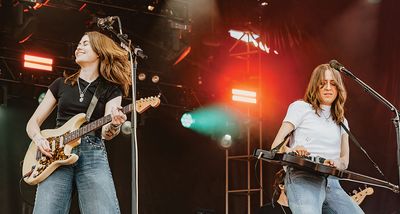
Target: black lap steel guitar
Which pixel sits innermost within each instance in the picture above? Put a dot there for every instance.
(308, 165)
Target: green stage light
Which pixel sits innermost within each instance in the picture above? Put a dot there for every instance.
(212, 121)
(187, 120)
(41, 97)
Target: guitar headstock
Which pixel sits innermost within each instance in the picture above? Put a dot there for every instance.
(144, 103)
(358, 197)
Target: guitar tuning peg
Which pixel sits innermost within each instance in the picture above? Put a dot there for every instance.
(354, 191)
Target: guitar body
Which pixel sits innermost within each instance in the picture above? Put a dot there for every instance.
(37, 167)
(308, 165)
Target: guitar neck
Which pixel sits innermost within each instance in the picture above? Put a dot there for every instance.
(356, 177)
(93, 125)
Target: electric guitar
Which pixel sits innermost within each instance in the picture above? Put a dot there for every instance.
(37, 167)
(305, 164)
(359, 197)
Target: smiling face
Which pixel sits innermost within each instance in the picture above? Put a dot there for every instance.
(328, 89)
(84, 53)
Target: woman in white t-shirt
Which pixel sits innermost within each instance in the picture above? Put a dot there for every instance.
(315, 121)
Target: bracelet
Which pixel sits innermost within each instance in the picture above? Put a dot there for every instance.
(115, 126)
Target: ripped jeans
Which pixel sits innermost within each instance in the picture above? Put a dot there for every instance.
(92, 176)
(310, 193)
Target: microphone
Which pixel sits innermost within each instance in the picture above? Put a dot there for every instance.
(106, 21)
(336, 65)
(139, 52)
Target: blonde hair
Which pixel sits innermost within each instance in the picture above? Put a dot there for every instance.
(312, 95)
(114, 64)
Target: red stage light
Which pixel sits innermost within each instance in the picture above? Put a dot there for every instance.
(183, 55)
(37, 62)
(246, 96)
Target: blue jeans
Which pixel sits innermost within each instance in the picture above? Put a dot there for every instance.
(311, 193)
(93, 179)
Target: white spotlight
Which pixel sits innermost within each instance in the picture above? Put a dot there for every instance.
(142, 76)
(150, 7)
(126, 128)
(226, 141)
(155, 79)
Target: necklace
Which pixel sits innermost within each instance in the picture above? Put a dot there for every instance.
(82, 93)
(326, 117)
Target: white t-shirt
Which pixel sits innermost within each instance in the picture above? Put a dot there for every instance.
(320, 135)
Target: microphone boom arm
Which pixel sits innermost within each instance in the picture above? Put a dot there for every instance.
(367, 88)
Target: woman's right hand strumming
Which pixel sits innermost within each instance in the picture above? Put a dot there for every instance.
(42, 144)
(300, 151)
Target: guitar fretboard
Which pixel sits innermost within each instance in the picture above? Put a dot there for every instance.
(92, 126)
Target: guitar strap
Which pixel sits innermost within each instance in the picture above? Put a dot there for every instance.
(277, 148)
(355, 141)
(99, 90)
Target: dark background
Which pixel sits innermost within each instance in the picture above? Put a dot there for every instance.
(181, 171)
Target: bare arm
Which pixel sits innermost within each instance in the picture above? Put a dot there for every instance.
(39, 116)
(343, 162)
(285, 129)
(113, 107)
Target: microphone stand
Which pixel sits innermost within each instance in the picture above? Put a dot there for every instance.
(377, 96)
(126, 44)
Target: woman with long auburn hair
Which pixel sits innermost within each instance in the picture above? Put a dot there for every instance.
(315, 123)
(102, 62)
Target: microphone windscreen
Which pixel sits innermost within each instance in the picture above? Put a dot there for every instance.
(335, 64)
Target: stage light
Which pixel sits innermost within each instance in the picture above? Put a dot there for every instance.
(33, 1)
(82, 7)
(34, 4)
(26, 23)
(215, 121)
(243, 36)
(251, 38)
(37, 66)
(246, 96)
(187, 120)
(155, 79)
(150, 7)
(226, 141)
(126, 128)
(142, 76)
(36, 62)
(37, 59)
(184, 53)
(41, 97)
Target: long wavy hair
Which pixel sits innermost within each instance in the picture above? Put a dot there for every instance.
(114, 65)
(312, 95)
